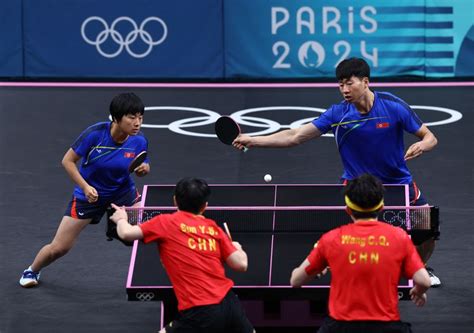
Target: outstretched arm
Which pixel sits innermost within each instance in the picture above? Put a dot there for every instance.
(299, 275)
(286, 138)
(126, 231)
(428, 141)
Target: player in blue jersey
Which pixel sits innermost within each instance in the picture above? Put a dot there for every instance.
(368, 127)
(105, 150)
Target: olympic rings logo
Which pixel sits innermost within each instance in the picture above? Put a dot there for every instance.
(395, 218)
(124, 41)
(262, 125)
(419, 219)
(145, 297)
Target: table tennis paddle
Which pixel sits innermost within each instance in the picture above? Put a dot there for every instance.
(227, 231)
(137, 161)
(111, 228)
(227, 130)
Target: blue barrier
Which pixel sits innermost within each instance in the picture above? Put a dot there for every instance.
(307, 39)
(228, 39)
(11, 49)
(121, 38)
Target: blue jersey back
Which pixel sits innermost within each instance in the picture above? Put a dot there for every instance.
(105, 163)
(373, 142)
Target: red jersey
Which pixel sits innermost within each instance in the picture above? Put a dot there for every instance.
(366, 260)
(192, 250)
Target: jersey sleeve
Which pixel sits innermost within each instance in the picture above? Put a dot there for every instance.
(153, 229)
(410, 120)
(412, 262)
(317, 258)
(227, 248)
(324, 121)
(84, 142)
(142, 145)
(145, 148)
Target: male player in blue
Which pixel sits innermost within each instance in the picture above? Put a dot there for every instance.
(368, 127)
(106, 150)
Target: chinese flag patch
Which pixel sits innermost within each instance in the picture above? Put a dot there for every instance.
(129, 155)
(382, 125)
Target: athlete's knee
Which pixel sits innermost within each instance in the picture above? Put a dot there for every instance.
(58, 250)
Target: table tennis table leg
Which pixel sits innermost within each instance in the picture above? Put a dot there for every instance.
(272, 309)
(169, 311)
(318, 307)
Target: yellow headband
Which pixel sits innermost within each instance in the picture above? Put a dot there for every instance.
(355, 207)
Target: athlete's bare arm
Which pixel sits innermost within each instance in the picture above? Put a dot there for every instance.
(238, 260)
(422, 282)
(126, 231)
(299, 276)
(286, 138)
(427, 142)
(69, 163)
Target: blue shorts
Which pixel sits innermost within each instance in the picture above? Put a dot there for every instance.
(416, 197)
(80, 209)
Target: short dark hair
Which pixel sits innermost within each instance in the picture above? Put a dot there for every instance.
(126, 103)
(366, 191)
(348, 68)
(191, 194)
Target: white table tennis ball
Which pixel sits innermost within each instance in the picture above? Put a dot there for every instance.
(267, 178)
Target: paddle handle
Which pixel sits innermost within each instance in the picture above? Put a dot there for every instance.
(227, 231)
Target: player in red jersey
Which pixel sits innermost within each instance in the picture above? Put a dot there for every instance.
(367, 259)
(192, 249)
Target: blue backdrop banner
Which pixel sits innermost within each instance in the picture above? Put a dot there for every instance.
(122, 38)
(306, 38)
(11, 49)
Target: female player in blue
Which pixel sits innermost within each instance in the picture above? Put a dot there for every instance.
(368, 127)
(106, 150)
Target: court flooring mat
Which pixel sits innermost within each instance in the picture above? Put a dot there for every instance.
(84, 291)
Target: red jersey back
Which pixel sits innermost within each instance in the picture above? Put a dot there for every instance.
(192, 250)
(366, 260)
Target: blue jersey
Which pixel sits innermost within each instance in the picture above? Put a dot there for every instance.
(104, 164)
(372, 142)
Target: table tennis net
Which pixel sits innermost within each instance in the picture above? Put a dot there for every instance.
(299, 219)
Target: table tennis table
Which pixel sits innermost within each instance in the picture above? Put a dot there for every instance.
(277, 226)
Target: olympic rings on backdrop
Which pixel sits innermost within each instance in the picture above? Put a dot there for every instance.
(262, 125)
(124, 41)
